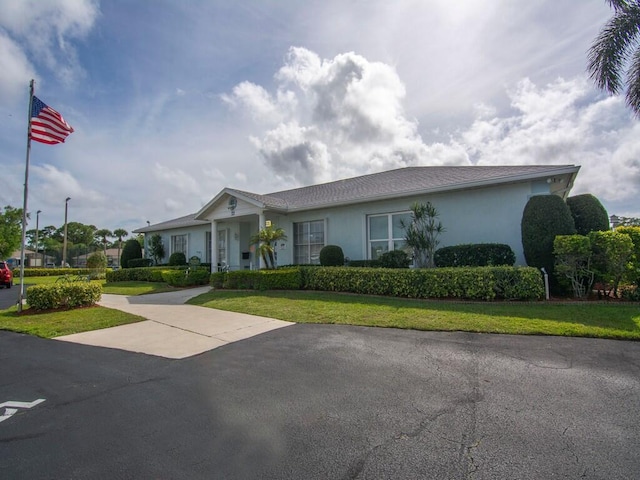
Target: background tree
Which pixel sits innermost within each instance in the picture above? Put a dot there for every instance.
(10, 231)
(544, 217)
(588, 214)
(130, 251)
(265, 240)
(102, 236)
(156, 248)
(617, 48)
(120, 233)
(629, 222)
(421, 234)
(77, 233)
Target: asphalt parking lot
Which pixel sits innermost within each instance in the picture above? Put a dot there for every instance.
(9, 296)
(324, 401)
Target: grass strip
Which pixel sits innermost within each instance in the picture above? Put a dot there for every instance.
(63, 322)
(578, 319)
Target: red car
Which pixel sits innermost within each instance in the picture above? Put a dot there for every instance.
(6, 275)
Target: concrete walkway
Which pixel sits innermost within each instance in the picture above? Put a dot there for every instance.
(172, 329)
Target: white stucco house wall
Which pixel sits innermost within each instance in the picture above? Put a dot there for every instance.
(476, 204)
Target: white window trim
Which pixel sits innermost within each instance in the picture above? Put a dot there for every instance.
(390, 239)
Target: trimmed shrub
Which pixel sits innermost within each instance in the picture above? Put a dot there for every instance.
(177, 258)
(611, 253)
(544, 217)
(140, 262)
(97, 260)
(131, 250)
(63, 295)
(394, 259)
(634, 271)
(331, 256)
(588, 214)
(364, 263)
(475, 255)
(573, 262)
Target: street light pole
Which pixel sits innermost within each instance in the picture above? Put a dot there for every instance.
(64, 243)
(37, 220)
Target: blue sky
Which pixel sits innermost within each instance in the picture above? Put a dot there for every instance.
(171, 101)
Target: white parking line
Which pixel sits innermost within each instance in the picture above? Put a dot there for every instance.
(11, 407)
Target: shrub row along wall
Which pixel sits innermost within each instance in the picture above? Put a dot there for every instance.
(481, 283)
(283, 279)
(63, 295)
(475, 255)
(143, 274)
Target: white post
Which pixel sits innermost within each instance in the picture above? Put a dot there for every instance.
(546, 283)
(262, 221)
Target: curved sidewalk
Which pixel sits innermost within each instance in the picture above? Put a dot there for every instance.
(173, 329)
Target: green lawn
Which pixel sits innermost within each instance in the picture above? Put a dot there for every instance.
(584, 319)
(64, 322)
(580, 319)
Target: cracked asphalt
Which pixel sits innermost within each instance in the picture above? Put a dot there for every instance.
(326, 402)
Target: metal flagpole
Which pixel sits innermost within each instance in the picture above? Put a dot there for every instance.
(24, 205)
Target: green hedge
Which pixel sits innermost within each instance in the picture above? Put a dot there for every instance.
(182, 278)
(281, 279)
(143, 274)
(475, 283)
(475, 255)
(63, 295)
(53, 272)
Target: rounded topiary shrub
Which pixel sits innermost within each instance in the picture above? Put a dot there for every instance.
(177, 258)
(395, 259)
(544, 217)
(588, 214)
(131, 250)
(331, 256)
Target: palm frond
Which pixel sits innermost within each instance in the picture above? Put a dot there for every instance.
(612, 47)
(633, 84)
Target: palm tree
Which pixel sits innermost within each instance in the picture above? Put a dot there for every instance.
(617, 45)
(120, 233)
(102, 235)
(265, 239)
(422, 232)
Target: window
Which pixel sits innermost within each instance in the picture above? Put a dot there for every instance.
(207, 247)
(386, 233)
(222, 247)
(179, 244)
(308, 240)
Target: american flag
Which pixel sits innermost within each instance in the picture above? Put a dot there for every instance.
(47, 125)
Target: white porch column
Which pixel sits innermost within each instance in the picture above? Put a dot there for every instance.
(214, 246)
(262, 221)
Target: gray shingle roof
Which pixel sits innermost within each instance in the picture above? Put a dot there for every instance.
(186, 221)
(393, 183)
(403, 181)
